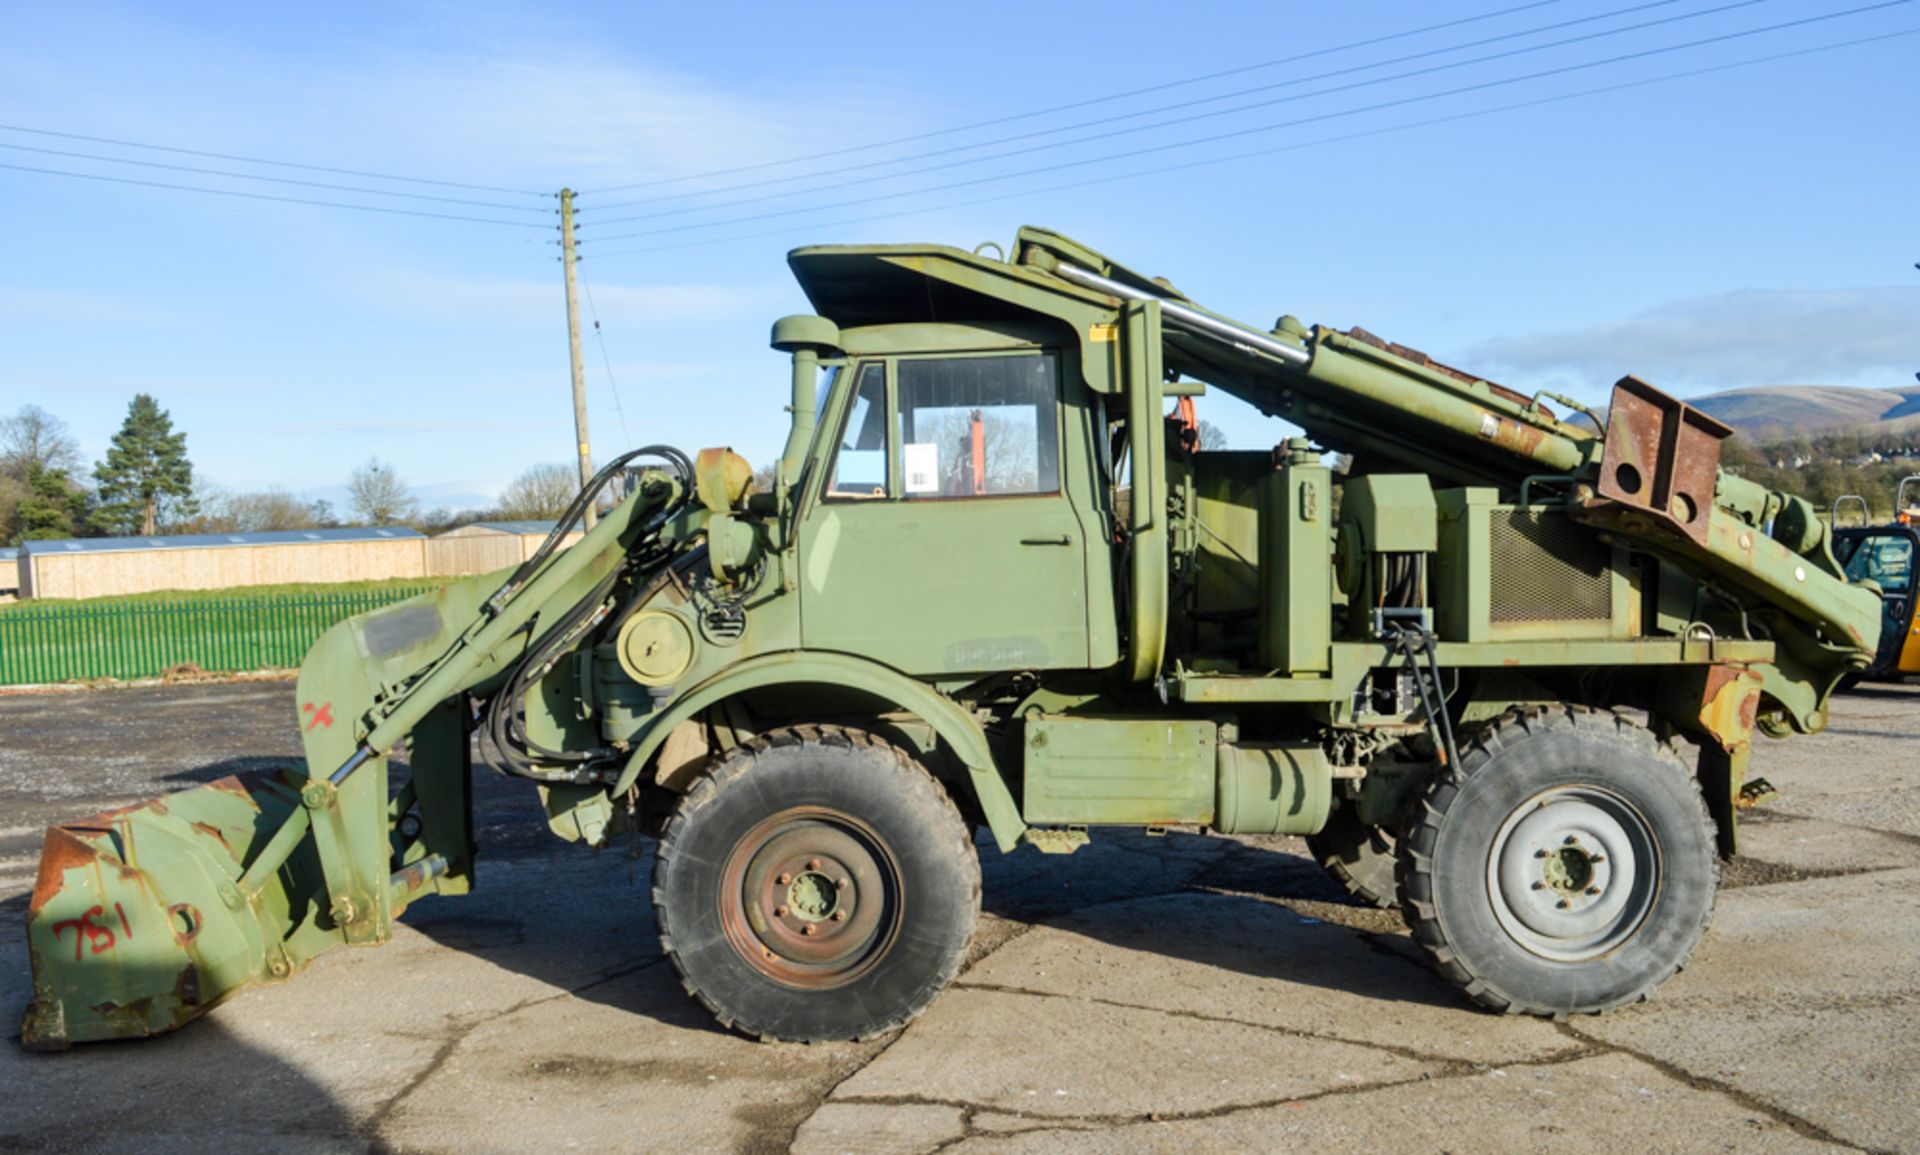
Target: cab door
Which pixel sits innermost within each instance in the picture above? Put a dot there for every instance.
(1885, 555)
(939, 540)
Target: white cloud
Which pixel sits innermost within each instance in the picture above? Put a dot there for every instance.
(1728, 340)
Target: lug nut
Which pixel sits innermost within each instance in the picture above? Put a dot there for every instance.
(1539, 854)
(1599, 858)
(807, 929)
(840, 884)
(779, 912)
(1593, 890)
(839, 916)
(813, 864)
(1539, 886)
(768, 951)
(784, 879)
(1572, 841)
(1562, 904)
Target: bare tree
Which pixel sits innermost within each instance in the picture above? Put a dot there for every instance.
(34, 439)
(542, 493)
(1212, 436)
(378, 495)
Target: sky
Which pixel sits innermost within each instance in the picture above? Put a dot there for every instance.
(1552, 194)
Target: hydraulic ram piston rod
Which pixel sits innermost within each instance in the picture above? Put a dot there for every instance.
(1187, 317)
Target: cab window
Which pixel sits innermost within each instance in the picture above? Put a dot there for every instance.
(1887, 560)
(979, 426)
(860, 459)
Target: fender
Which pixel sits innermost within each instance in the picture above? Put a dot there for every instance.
(795, 667)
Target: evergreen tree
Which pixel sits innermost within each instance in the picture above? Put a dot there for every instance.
(53, 508)
(146, 473)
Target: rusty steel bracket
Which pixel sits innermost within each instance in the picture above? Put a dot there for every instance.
(1662, 456)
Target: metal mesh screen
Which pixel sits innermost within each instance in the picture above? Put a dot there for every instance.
(1545, 568)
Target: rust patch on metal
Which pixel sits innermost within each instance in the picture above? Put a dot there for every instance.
(106, 818)
(1662, 456)
(1729, 704)
(231, 784)
(187, 913)
(1409, 353)
(62, 852)
(1520, 438)
(187, 986)
(213, 832)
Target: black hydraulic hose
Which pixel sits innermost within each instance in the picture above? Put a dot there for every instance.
(589, 493)
(502, 719)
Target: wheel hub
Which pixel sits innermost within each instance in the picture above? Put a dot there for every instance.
(1573, 873)
(810, 898)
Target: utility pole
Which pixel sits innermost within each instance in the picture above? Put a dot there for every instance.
(573, 349)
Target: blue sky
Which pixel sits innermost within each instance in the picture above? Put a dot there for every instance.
(1749, 226)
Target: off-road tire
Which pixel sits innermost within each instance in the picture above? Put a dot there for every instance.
(1452, 889)
(881, 798)
(1360, 857)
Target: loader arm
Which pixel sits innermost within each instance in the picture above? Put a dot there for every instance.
(1652, 477)
(143, 918)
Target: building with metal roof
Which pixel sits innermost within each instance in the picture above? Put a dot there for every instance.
(110, 566)
(65, 546)
(485, 546)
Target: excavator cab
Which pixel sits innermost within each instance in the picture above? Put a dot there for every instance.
(1884, 554)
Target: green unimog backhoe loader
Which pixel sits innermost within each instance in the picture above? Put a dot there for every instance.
(1503, 668)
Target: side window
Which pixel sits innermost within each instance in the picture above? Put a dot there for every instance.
(979, 426)
(860, 460)
(1887, 560)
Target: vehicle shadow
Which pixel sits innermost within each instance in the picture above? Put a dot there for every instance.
(583, 922)
(201, 1089)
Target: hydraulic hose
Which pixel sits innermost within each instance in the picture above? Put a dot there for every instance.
(503, 716)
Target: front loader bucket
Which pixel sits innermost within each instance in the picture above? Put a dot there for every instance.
(144, 917)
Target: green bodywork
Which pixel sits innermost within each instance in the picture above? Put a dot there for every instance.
(987, 543)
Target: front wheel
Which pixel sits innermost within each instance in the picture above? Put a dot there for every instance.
(818, 885)
(1567, 866)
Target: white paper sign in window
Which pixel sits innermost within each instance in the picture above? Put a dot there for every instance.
(923, 467)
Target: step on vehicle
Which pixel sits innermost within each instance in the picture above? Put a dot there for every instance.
(1504, 667)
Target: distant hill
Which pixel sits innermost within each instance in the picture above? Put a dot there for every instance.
(1777, 409)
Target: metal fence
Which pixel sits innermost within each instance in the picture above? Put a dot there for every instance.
(81, 642)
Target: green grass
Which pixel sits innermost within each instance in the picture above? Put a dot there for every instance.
(231, 593)
(229, 631)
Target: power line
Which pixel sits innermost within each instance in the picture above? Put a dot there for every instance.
(1259, 129)
(1214, 99)
(1069, 107)
(1137, 174)
(252, 196)
(262, 160)
(601, 336)
(275, 179)
(1297, 97)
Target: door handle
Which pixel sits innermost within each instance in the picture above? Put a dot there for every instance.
(1056, 539)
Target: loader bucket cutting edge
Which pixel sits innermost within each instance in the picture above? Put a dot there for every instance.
(137, 923)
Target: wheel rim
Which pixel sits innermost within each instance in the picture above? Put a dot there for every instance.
(1573, 873)
(811, 898)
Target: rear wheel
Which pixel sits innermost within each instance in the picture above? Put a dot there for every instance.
(1360, 857)
(818, 885)
(1567, 865)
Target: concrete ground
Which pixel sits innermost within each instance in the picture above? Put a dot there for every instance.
(1182, 993)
